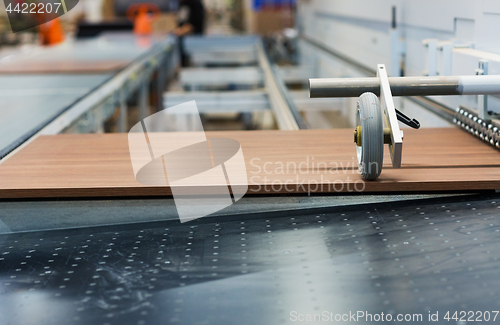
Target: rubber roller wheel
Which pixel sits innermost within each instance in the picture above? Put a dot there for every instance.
(370, 146)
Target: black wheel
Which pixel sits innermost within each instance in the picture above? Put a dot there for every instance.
(370, 143)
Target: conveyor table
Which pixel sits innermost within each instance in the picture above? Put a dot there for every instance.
(39, 85)
(109, 52)
(291, 162)
(29, 101)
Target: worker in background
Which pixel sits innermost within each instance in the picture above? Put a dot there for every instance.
(190, 21)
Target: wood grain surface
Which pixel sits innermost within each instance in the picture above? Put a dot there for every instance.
(99, 165)
(62, 66)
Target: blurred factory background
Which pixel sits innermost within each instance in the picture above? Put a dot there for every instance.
(223, 16)
(238, 87)
(82, 242)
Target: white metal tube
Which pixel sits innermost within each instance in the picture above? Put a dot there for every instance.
(479, 85)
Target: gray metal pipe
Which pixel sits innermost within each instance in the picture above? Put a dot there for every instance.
(406, 86)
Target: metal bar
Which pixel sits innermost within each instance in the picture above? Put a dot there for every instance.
(194, 43)
(387, 103)
(248, 101)
(160, 83)
(432, 56)
(214, 50)
(285, 119)
(482, 100)
(289, 100)
(444, 112)
(144, 99)
(211, 77)
(393, 20)
(406, 86)
(122, 119)
(221, 101)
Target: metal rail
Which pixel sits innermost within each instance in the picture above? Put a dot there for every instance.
(432, 106)
(221, 101)
(263, 73)
(129, 79)
(286, 114)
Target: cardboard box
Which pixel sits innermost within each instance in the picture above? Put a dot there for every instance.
(265, 21)
(165, 23)
(108, 9)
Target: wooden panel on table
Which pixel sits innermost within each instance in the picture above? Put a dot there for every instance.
(98, 165)
(62, 66)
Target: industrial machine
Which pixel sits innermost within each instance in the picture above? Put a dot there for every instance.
(322, 236)
(373, 129)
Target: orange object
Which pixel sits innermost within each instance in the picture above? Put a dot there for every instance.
(51, 32)
(143, 15)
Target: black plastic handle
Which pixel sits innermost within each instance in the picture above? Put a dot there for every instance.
(406, 120)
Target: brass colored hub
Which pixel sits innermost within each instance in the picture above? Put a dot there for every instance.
(387, 136)
(357, 136)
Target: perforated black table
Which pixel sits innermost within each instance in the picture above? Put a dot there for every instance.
(408, 257)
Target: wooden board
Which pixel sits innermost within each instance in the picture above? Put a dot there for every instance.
(98, 165)
(62, 66)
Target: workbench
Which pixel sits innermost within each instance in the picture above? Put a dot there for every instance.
(106, 53)
(45, 90)
(292, 162)
(29, 101)
(82, 242)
